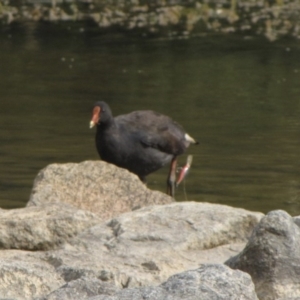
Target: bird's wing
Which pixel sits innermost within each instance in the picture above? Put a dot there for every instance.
(154, 130)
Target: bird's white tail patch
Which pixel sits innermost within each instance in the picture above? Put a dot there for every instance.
(189, 139)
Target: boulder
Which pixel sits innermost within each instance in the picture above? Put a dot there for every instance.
(42, 227)
(211, 282)
(146, 246)
(272, 257)
(138, 248)
(208, 282)
(97, 186)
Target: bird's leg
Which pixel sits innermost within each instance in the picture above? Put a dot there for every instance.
(184, 170)
(171, 182)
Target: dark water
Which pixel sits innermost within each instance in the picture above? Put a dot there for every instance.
(240, 98)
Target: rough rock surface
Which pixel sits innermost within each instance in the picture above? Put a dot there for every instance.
(97, 186)
(24, 276)
(272, 257)
(82, 288)
(146, 246)
(209, 282)
(42, 227)
(139, 248)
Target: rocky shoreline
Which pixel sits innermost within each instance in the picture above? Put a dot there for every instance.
(94, 231)
(171, 19)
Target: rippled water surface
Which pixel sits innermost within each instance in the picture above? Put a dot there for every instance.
(239, 98)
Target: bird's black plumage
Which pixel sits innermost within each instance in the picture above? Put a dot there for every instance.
(141, 141)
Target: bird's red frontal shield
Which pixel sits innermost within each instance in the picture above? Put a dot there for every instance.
(95, 116)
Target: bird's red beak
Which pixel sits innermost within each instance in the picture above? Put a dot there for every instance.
(95, 116)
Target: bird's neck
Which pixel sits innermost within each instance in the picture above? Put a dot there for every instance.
(109, 123)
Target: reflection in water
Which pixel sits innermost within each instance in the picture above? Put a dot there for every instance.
(239, 98)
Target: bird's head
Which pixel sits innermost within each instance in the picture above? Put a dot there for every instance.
(101, 114)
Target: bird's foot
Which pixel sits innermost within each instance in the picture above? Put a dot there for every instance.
(185, 169)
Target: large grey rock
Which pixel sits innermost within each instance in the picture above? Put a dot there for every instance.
(146, 246)
(42, 227)
(209, 282)
(96, 186)
(139, 248)
(24, 276)
(272, 257)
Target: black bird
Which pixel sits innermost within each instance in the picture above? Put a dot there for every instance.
(141, 142)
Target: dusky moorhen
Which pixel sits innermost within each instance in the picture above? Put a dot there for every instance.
(141, 142)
